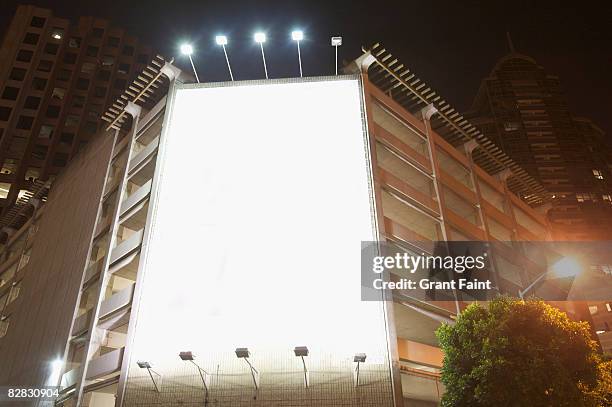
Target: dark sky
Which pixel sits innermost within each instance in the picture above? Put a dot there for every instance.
(449, 44)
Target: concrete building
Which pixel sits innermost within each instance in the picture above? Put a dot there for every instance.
(523, 109)
(75, 276)
(56, 79)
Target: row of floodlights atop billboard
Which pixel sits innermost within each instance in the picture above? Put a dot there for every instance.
(244, 353)
(260, 38)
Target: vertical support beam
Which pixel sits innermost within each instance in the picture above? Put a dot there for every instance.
(362, 64)
(92, 333)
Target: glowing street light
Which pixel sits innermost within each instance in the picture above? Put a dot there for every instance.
(260, 38)
(187, 49)
(222, 40)
(566, 267)
(336, 42)
(298, 36)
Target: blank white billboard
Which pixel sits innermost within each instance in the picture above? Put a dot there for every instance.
(263, 199)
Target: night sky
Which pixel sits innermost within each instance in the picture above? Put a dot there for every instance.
(451, 45)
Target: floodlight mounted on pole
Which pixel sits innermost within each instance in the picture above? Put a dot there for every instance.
(301, 352)
(146, 365)
(336, 42)
(243, 353)
(359, 358)
(298, 36)
(222, 40)
(260, 38)
(189, 357)
(187, 49)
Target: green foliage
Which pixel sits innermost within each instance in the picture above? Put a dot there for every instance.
(518, 353)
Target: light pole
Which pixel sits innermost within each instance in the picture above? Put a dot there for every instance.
(336, 42)
(222, 40)
(298, 36)
(187, 49)
(260, 38)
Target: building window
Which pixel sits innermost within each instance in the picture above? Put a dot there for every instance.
(104, 75)
(37, 22)
(123, 68)
(46, 131)
(64, 75)
(39, 83)
(511, 126)
(31, 102)
(53, 111)
(142, 58)
(88, 67)
(120, 84)
(78, 101)
(74, 42)
(57, 33)
(31, 38)
(72, 120)
(82, 84)
(58, 93)
(45, 66)
(607, 198)
(60, 160)
(66, 138)
(108, 60)
(17, 74)
(24, 55)
(97, 32)
(598, 174)
(25, 122)
(5, 112)
(609, 307)
(51, 48)
(128, 50)
(40, 152)
(99, 92)
(112, 42)
(593, 309)
(92, 51)
(90, 127)
(10, 93)
(70, 58)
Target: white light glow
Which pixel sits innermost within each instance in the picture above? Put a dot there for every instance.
(55, 369)
(266, 254)
(57, 36)
(297, 35)
(259, 37)
(186, 49)
(221, 40)
(567, 267)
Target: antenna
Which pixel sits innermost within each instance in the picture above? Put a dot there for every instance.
(510, 44)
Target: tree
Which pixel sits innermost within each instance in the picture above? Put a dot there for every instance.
(518, 353)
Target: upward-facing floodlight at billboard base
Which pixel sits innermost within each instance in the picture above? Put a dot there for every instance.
(263, 199)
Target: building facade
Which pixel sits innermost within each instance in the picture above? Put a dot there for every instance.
(69, 317)
(523, 110)
(56, 80)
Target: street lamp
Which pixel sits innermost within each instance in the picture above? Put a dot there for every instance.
(298, 36)
(146, 365)
(359, 358)
(260, 38)
(189, 357)
(336, 42)
(566, 267)
(222, 40)
(187, 49)
(243, 353)
(301, 352)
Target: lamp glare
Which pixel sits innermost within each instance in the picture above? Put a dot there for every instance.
(221, 40)
(186, 49)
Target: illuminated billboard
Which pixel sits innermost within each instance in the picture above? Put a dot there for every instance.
(263, 196)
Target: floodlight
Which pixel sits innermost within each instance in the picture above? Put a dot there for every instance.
(146, 365)
(301, 352)
(359, 358)
(186, 356)
(336, 42)
(143, 364)
(260, 37)
(186, 49)
(243, 353)
(222, 40)
(297, 35)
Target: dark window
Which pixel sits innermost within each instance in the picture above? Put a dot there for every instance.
(37, 22)
(88, 67)
(39, 152)
(17, 74)
(53, 111)
(46, 131)
(24, 55)
(123, 68)
(5, 112)
(31, 38)
(120, 84)
(66, 138)
(72, 120)
(25, 122)
(70, 58)
(112, 42)
(51, 48)
(39, 83)
(90, 127)
(128, 50)
(78, 101)
(143, 58)
(64, 75)
(74, 42)
(99, 92)
(45, 66)
(92, 51)
(60, 159)
(82, 83)
(108, 60)
(104, 75)
(97, 32)
(31, 102)
(10, 93)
